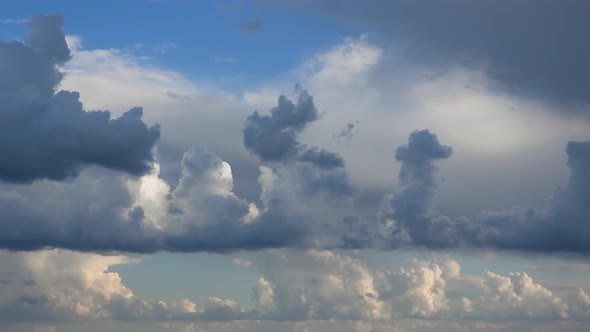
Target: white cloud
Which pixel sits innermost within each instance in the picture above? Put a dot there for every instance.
(305, 287)
(321, 285)
(241, 262)
(264, 294)
(190, 112)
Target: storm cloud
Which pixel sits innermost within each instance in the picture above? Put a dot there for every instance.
(534, 48)
(45, 133)
(108, 211)
(560, 226)
(306, 198)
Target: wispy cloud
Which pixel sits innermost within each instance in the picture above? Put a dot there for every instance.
(13, 20)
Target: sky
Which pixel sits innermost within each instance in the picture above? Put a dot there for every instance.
(278, 165)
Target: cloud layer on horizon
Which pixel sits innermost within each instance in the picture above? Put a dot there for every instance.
(55, 286)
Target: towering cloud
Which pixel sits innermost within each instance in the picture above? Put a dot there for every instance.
(274, 137)
(560, 226)
(46, 133)
(112, 212)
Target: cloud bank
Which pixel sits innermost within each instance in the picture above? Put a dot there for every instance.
(295, 286)
(116, 200)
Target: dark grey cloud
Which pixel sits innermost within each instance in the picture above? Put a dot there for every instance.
(322, 158)
(97, 213)
(46, 133)
(274, 137)
(101, 210)
(416, 183)
(560, 226)
(535, 48)
(252, 27)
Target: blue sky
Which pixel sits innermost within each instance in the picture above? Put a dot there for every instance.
(203, 39)
(295, 165)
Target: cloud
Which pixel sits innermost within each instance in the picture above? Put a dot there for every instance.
(200, 212)
(48, 134)
(274, 137)
(438, 290)
(530, 48)
(318, 285)
(241, 262)
(557, 227)
(334, 286)
(295, 286)
(78, 286)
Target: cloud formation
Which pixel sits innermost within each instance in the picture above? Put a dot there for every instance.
(47, 133)
(560, 226)
(274, 137)
(531, 48)
(306, 201)
(201, 213)
(295, 286)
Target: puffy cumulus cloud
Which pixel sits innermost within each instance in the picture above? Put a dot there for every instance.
(422, 286)
(68, 285)
(325, 285)
(297, 286)
(72, 286)
(560, 226)
(189, 111)
(93, 212)
(201, 213)
(536, 48)
(307, 199)
(308, 176)
(395, 97)
(264, 294)
(46, 133)
(224, 309)
(102, 212)
(438, 290)
(314, 285)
